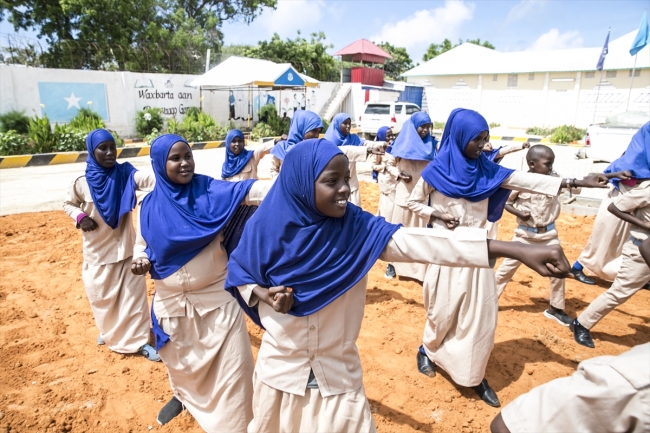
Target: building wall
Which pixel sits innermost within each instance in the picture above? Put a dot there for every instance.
(544, 99)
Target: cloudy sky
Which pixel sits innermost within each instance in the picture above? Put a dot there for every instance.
(510, 25)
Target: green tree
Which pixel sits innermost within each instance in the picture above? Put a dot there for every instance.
(435, 50)
(400, 63)
(307, 56)
(145, 35)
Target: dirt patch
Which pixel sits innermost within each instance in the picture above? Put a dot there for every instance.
(53, 377)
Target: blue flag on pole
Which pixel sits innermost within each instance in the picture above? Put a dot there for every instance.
(601, 60)
(61, 101)
(641, 39)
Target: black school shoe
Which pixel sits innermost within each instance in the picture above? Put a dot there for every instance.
(558, 315)
(581, 334)
(171, 410)
(425, 366)
(390, 272)
(487, 394)
(580, 276)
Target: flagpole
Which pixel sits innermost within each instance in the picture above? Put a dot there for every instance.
(600, 80)
(629, 93)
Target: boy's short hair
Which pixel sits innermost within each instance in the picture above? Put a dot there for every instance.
(537, 151)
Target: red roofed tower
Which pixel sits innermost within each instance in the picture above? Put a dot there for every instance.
(369, 55)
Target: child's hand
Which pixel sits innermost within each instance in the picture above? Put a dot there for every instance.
(646, 224)
(140, 266)
(526, 145)
(88, 224)
(546, 260)
(281, 299)
(450, 221)
(407, 178)
(524, 215)
(593, 181)
(282, 137)
(378, 148)
(624, 175)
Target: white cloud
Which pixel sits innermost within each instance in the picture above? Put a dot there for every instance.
(427, 26)
(554, 40)
(291, 16)
(521, 9)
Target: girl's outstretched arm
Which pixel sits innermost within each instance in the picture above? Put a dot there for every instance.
(546, 260)
(627, 217)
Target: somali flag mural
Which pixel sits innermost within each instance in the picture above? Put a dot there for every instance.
(61, 101)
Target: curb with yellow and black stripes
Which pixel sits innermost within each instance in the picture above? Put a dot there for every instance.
(16, 161)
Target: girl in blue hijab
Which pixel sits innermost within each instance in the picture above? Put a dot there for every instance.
(305, 124)
(237, 156)
(199, 327)
(461, 187)
(100, 203)
(339, 132)
(310, 273)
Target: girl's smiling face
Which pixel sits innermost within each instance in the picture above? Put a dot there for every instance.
(237, 145)
(423, 130)
(345, 127)
(475, 147)
(332, 187)
(105, 154)
(180, 163)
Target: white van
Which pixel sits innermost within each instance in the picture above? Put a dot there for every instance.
(378, 114)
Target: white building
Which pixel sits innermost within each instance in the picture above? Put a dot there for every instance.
(536, 88)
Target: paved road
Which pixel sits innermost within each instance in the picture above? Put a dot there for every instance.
(32, 189)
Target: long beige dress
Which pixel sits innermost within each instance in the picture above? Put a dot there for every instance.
(208, 356)
(633, 273)
(606, 394)
(325, 343)
(117, 298)
(387, 175)
(402, 214)
(602, 254)
(250, 169)
(462, 303)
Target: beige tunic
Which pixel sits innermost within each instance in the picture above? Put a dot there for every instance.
(250, 169)
(544, 210)
(606, 394)
(462, 303)
(405, 216)
(208, 358)
(117, 298)
(325, 342)
(387, 175)
(633, 273)
(602, 254)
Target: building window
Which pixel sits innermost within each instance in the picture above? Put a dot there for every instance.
(610, 74)
(494, 77)
(512, 80)
(637, 73)
(531, 76)
(590, 74)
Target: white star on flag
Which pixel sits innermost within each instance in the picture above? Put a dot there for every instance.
(73, 101)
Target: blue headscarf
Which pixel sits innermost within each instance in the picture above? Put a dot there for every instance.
(178, 221)
(334, 134)
(409, 144)
(302, 122)
(456, 176)
(636, 157)
(112, 189)
(234, 163)
(319, 257)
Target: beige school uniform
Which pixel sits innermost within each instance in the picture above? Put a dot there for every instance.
(544, 210)
(405, 216)
(325, 342)
(462, 303)
(250, 169)
(606, 394)
(208, 356)
(602, 254)
(387, 175)
(634, 272)
(117, 298)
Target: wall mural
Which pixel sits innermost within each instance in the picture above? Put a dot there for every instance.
(61, 101)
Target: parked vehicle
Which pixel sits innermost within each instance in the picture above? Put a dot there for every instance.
(607, 141)
(378, 114)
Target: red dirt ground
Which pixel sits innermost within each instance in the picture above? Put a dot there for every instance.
(54, 378)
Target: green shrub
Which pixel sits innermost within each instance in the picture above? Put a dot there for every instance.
(541, 131)
(326, 124)
(494, 125)
(197, 128)
(118, 141)
(12, 143)
(147, 120)
(68, 139)
(567, 134)
(14, 121)
(174, 127)
(86, 120)
(261, 130)
(269, 116)
(193, 113)
(40, 132)
(439, 125)
(152, 136)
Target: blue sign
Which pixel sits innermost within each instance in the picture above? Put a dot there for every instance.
(61, 101)
(290, 78)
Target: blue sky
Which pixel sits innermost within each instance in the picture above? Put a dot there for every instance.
(510, 25)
